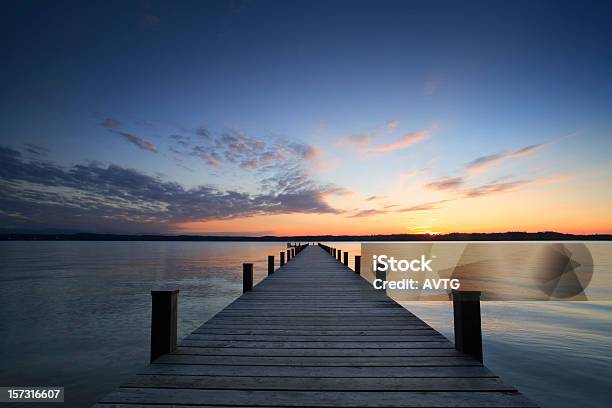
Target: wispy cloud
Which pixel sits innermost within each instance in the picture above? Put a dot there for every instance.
(423, 207)
(403, 142)
(210, 157)
(139, 142)
(494, 188)
(526, 150)
(35, 149)
(367, 213)
(500, 186)
(235, 147)
(365, 139)
(305, 151)
(446, 183)
(481, 163)
(375, 197)
(392, 209)
(113, 125)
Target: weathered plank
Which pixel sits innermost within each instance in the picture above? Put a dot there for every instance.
(317, 372)
(431, 335)
(413, 361)
(313, 332)
(318, 398)
(318, 344)
(324, 384)
(325, 352)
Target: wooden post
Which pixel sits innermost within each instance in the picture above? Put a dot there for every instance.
(292, 252)
(382, 275)
(358, 264)
(247, 277)
(288, 255)
(339, 255)
(468, 332)
(345, 258)
(270, 264)
(282, 258)
(163, 322)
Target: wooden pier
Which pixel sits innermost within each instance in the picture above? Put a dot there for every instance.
(315, 334)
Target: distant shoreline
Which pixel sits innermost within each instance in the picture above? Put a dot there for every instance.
(499, 236)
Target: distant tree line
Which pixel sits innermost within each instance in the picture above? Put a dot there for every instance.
(455, 236)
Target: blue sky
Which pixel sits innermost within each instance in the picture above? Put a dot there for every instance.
(235, 95)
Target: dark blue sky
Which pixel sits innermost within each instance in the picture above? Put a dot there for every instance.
(233, 95)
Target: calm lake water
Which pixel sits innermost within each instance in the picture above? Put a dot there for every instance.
(76, 314)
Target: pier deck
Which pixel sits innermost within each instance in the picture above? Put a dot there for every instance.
(315, 334)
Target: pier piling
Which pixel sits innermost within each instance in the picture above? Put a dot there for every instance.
(382, 275)
(163, 322)
(468, 332)
(270, 264)
(247, 277)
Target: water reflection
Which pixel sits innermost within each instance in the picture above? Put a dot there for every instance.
(556, 353)
(77, 314)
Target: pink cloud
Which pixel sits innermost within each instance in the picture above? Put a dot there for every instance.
(403, 142)
(250, 164)
(270, 157)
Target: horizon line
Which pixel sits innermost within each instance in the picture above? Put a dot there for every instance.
(453, 236)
